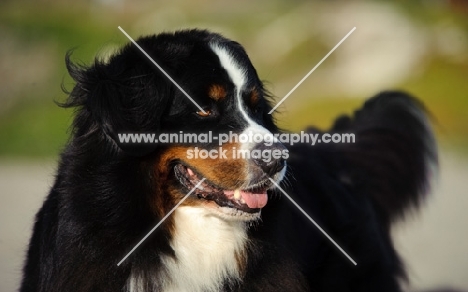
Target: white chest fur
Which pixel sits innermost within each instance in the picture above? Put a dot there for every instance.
(206, 249)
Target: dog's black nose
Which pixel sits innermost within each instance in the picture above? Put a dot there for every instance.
(271, 159)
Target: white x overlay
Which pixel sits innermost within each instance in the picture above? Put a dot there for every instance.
(310, 72)
(201, 109)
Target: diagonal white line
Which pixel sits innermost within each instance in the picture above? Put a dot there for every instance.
(310, 72)
(160, 222)
(315, 223)
(161, 69)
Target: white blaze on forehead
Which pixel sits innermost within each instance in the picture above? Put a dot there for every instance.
(237, 74)
(234, 70)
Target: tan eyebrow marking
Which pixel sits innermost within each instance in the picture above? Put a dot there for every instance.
(254, 96)
(216, 92)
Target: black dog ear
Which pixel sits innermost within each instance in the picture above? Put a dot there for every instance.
(122, 96)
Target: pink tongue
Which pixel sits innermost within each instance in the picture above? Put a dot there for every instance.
(254, 201)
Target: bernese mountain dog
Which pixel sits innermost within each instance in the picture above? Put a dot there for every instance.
(236, 231)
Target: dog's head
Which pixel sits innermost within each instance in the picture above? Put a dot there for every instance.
(128, 94)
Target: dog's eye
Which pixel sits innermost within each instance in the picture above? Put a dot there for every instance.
(204, 114)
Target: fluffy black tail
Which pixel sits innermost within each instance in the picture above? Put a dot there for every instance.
(394, 155)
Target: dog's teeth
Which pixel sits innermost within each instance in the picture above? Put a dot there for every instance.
(242, 201)
(237, 194)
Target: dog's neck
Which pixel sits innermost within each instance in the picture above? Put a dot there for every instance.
(208, 251)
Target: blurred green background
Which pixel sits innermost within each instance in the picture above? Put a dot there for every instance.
(418, 46)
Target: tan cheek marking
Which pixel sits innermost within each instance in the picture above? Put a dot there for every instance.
(216, 92)
(227, 172)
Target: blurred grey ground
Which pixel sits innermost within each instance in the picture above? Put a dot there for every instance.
(433, 243)
(23, 186)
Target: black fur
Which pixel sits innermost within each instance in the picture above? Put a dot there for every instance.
(354, 191)
(99, 206)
